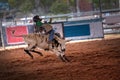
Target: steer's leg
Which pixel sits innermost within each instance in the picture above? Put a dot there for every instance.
(33, 50)
(58, 54)
(61, 58)
(27, 50)
(61, 55)
(37, 52)
(65, 58)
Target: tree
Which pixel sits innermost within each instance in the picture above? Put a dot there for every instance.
(106, 4)
(12, 3)
(27, 6)
(71, 4)
(119, 3)
(47, 5)
(3, 0)
(42, 6)
(59, 8)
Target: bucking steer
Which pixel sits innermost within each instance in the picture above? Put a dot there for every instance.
(35, 40)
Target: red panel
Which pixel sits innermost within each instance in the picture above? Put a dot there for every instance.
(19, 30)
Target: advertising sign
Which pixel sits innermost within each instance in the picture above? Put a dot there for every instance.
(19, 30)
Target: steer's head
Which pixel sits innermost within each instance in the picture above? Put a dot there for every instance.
(62, 44)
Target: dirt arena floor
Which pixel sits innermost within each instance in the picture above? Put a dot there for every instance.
(92, 60)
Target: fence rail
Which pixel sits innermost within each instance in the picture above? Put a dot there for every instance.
(112, 29)
(107, 28)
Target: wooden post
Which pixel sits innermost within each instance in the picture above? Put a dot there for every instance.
(78, 6)
(100, 8)
(2, 35)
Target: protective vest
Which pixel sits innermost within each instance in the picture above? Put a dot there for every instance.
(39, 23)
(47, 27)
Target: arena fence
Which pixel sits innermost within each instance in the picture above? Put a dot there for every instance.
(73, 30)
(111, 24)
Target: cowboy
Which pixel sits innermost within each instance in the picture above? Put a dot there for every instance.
(47, 28)
(38, 24)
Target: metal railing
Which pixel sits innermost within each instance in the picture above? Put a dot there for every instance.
(108, 29)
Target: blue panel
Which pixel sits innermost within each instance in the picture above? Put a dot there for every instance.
(77, 30)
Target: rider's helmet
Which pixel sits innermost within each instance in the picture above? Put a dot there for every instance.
(36, 18)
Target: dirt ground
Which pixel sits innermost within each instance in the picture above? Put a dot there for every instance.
(93, 60)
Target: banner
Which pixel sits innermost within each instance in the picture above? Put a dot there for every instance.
(86, 29)
(77, 30)
(10, 40)
(19, 30)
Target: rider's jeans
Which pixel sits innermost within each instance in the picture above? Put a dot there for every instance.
(51, 36)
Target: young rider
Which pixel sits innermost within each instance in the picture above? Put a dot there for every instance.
(39, 27)
(38, 24)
